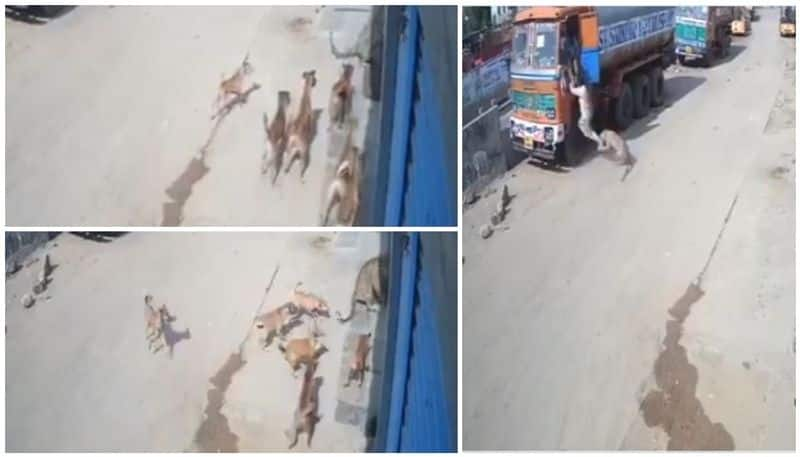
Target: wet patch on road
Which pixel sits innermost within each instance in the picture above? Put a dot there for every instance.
(214, 433)
(675, 406)
(180, 190)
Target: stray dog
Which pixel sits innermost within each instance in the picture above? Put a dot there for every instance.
(276, 322)
(358, 366)
(305, 416)
(233, 86)
(301, 351)
(345, 187)
(299, 143)
(309, 303)
(341, 102)
(155, 320)
(276, 137)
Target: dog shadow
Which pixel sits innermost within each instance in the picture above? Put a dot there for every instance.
(173, 337)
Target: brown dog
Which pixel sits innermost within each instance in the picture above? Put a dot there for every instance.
(345, 188)
(309, 303)
(300, 129)
(154, 324)
(235, 85)
(275, 322)
(358, 366)
(276, 137)
(341, 102)
(305, 416)
(301, 351)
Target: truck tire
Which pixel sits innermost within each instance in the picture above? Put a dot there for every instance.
(570, 152)
(641, 95)
(656, 86)
(623, 107)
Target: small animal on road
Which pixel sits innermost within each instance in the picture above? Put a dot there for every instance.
(305, 416)
(300, 129)
(300, 351)
(276, 137)
(358, 365)
(275, 322)
(235, 85)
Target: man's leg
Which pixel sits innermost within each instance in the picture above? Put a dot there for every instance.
(585, 125)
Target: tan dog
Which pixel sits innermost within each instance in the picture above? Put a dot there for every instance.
(345, 188)
(154, 324)
(301, 351)
(275, 322)
(309, 303)
(299, 143)
(358, 366)
(235, 85)
(368, 289)
(276, 137)
(305, 416)
(341, 102)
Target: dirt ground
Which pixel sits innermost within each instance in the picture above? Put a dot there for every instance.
(583, 326)
(79, 376)
(106, 107)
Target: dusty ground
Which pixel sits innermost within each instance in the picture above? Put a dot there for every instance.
(584, 308)
(107, 106)
(80, 378)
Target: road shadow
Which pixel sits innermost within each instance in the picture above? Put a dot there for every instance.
(22, 14)
(548, 165)
(173, 337)
(36, 14)
(99, 237)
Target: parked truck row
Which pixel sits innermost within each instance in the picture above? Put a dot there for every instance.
(620, 52)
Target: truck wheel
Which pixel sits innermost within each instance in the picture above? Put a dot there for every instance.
(570, 152)
(641, 95)
(656, 86)
(623, 107)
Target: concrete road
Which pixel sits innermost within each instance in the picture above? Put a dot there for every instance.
(107, 106)
(79, 376)
(566, 325)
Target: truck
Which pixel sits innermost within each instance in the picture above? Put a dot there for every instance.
(787, 24)
(620, 53)
(702, 33)
(741, 23)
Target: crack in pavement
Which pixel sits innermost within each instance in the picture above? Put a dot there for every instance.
(214, 433)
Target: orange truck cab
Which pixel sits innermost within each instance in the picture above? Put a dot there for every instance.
(618, 52)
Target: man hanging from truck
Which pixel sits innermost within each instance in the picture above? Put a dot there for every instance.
(579, 89)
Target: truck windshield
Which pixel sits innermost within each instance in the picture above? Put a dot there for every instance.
(693, 12)
(535, 46)
(788, 14)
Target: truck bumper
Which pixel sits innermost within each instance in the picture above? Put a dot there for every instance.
(690, 51)
(534, 139)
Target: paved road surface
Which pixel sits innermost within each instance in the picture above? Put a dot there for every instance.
(107, 106)
(565, 313)
(78, 373)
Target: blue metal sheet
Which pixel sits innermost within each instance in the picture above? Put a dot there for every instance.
(421, 188)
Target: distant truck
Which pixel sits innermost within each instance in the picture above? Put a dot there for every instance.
(620, 52)
(741, 23)
(703, 33)
(787, 24)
